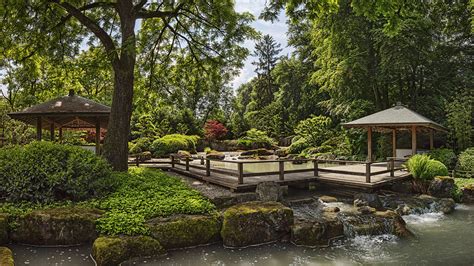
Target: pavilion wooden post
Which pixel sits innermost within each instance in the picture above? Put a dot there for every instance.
(369, 144)
(60, 135)
(51, 131)
(394, 143)
(413, 140)
(97, 137)
(431, 139)
(38, 128)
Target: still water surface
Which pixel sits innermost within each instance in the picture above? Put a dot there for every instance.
(441, 240)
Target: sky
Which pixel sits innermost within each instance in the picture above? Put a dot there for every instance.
(277, 30)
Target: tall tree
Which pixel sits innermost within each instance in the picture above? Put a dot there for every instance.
(58, 28)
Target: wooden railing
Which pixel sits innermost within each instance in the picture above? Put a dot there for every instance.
(316, 169)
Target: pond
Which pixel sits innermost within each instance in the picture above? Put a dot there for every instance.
(441, 240)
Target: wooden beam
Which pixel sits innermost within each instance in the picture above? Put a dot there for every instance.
(39, 128)
(369, 144)
(394, 143)
(97, 137)
(60, 134)
(413, 140)
(431, 139)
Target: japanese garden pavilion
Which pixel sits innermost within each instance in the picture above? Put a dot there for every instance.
(67, 112)
(397, 118)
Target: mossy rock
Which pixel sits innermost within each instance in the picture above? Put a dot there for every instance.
(257, 152)
(254, 223)
(4, 229)
(6, 257)
(58, 226)
(215, 155)
(115, 250)
(316, 233)
(181, 231)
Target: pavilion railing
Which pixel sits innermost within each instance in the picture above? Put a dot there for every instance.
(206, 165)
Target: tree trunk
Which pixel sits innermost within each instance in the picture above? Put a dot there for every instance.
(116, 142)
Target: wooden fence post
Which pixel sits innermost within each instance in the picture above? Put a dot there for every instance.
(282, 170)
(241, 172)
(187, 164)
(367, 172)
(202, 160)
(172, 161)
(137, 160)
(208, 167)
(316, 167)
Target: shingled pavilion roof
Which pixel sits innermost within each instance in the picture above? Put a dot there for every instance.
(71, 111)
(396, 117)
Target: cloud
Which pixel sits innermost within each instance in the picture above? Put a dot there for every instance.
(278, 30)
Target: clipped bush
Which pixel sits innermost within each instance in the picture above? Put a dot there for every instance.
(140, 145)
(466, 163)
(47, 172)
(297, 146)
(444, 155)
(255, 139)
(173, 143)
(422, 167)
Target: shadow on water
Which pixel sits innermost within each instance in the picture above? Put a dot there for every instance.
(441, 240)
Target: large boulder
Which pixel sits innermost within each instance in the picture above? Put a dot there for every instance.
(254, 223)
(269, 191)
(59, 226)
(6, 257)
(468, 194)
(442, 187)
(115, 250)
(446, 205)
(367, 199)
(316, 233)
(181, 231)
(378, 223)
(215, 155)
(405, 187)
(236, 198)
(4, 229)
(184, 155)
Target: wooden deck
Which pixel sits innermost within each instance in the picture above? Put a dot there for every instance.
(353, 175)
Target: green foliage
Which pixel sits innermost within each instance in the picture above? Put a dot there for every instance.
(143, 194)
(173, 143)
(297, 146)
(466, 163)
(47, 172)
(140, 145)
(255, 139)
(444, 155)
(314, 130)
(460, 112)
(422, 167)
(461, 183)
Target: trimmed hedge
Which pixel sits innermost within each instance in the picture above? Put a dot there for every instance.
(173, 143)
(444, 155)
(46, 172)
(466, 162)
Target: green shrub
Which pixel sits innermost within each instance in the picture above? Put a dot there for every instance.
(173, 143)
(315, 130)
(422, 167)
(297, 146)
(47, 172)
(444, 155)
(255, 139)
(140, 145)
(144, 194)
(466, 162)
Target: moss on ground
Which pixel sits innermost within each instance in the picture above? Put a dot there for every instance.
(6, 257)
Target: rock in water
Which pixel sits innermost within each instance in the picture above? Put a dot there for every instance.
(367, 199)
(327, 199)
(111, 251)
(181, 231)
(468, 194)
(215, 155)
(6, 257)
(442, 187)
(254, 223)
(269, 191)
(316, 233)
(446, 205)
(59, 226)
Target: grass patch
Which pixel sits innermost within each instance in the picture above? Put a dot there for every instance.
(141, 194)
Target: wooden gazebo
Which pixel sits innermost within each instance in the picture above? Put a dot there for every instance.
(395, 119)
(67, 112)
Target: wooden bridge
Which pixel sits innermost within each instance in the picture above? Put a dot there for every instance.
(233, 174)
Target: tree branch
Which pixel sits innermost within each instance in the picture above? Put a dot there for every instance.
(159, 14)
(92, 26)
